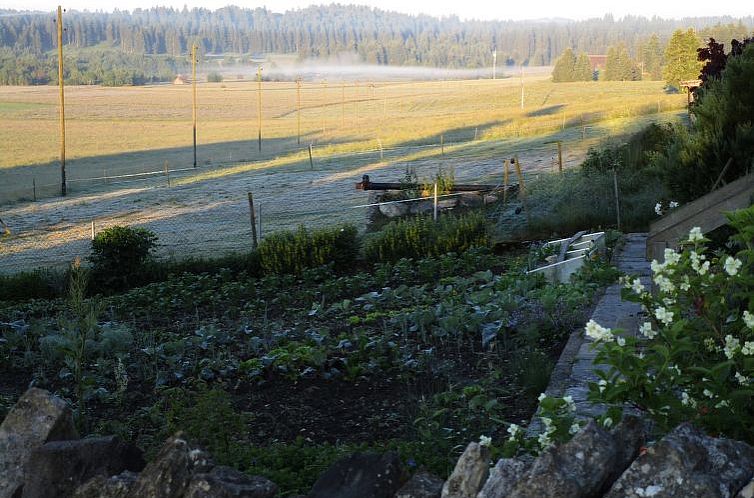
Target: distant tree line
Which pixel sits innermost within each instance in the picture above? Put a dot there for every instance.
(682, 58)
(370, 35)
(87, 67)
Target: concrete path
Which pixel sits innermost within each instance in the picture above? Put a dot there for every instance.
(575, 369)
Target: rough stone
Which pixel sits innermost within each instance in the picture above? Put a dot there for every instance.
(581, 467)
(37, 417)
(394, 210)
(446, 204)
(57, 468)
(169, 475)
(470, 200)
(107, 487)
(420, 207)
(469, 474)
(225, 482)
(421, 485)
(361, 475)
(687, 464)
(747, 491)
(503, 477)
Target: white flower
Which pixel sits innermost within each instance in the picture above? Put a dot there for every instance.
(514, 430)
(646, 330)
(607, 422)
(704, 268)
(598, 332)
(602, 385)
(621, 341)
(664, 315)
(748, 349)
(658, 209)
(732, 265)
(749, 319)
(675, 369)
(695, 235)
(541, 397)
(687, 400)
(673, 205)
(722, 404)
(570, 404)
(548, 424)
(656, 266)
(671, 257)
(685, 285)
(485, 441)
(664, 284)
(708, 393)
(544, 440)
(732, 345)
(742, 379)
(637, 286)
(575, 428)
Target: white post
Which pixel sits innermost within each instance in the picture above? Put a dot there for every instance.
(435, 203)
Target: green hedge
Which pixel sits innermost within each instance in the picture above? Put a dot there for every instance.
(292, 252)
(421, 237)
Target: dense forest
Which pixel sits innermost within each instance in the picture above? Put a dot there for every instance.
(376, 36)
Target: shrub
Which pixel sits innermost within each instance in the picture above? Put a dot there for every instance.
(214, 77)
(422, 237)
(118, 256)
(292, 252)
(695, 361)
(38, 284)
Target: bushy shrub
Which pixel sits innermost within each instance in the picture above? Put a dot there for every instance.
(214, 77)
(42, 283)
(421, 237)
(118, 256)
(695, 358)
(292, 252)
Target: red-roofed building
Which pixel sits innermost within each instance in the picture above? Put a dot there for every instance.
(598, 61)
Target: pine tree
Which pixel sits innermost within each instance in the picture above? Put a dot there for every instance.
(651, 57)
(564, 69)
(681, 58)
(583, 70)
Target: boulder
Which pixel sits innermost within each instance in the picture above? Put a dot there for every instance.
(361, 475)
(421, 485)
(225, 482)
(57, 468)
(503, 477)
(107, 487)
(470, 200)
(395, 209)
(585, 466)
(687, 464)
(446, 203)
(469, 474)
(747, 491)
(169, 475)
(421, 207)
(37, 417)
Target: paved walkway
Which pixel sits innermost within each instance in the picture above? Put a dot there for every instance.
(575, 369)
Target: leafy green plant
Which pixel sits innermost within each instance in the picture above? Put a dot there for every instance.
(118, 256)
(421, 237)
(292, 252)
(695, 358)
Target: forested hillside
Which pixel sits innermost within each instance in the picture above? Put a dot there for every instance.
(376, 36)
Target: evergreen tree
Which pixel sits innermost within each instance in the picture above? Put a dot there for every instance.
(619, 66)
(651, 58)
(565, 67)
(681, 58)
(583, 70)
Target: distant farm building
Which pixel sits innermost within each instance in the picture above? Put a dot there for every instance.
(598, 61)
(180, 80)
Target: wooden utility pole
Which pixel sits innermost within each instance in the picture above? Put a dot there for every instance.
(298, 111)
(560, 156)
(193, 89)
(62, 101)
(253, 220)
(494, 64)
(259, 107)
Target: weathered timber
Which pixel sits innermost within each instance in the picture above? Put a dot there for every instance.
(707, 213)
(366, 184)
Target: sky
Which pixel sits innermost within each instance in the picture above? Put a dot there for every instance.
(468, 9)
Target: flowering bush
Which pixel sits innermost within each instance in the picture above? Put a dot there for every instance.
(694, 357)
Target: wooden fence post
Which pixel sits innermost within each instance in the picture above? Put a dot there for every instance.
(253, 220)
(617, 197)
(442, 145)
(34, 188)
(167, 173)
(560, 156)
(259, 215)
(521, 186)
(506, 167)
(311, 160)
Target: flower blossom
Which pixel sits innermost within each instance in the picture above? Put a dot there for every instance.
(598, 332)
(732, 345)
(637, 286)
(514, 430)
(732, 265)
(664, 315)
(485, 441)
(570, 403)
(673, 204)
(743, 380)
(749, 319)
(646, 330)
(671, 257)
(695, 235)
(575, 428)
(658, 209)
(748, 349)
(664, 284)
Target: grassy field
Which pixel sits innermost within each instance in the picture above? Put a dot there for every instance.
(115, 131)
(121, 131)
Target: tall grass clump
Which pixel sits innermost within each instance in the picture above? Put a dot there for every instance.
(422, 237)
(292, 252)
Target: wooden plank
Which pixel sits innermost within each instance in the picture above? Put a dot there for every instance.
(564, 247)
